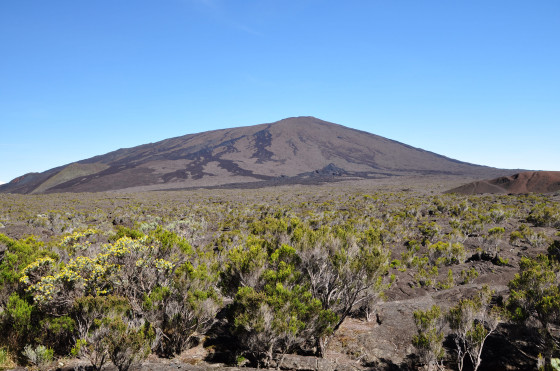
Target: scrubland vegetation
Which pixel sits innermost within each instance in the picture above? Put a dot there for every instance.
(113, 279)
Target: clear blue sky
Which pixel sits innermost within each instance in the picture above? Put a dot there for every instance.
(474, 80)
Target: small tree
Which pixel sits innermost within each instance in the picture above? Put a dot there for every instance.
(16, 325)
(93, 316)
(344, 274)
(126, 344)
(94, 348)
(471, 322)
(492, 240)
(185, 308)
(428, 340)
(278, 313)
(534, 294)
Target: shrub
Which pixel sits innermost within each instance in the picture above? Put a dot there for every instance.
(57, 332)
(449, 281)
(344, 274)
(527, 235)
(245, 266)
(3, 356)
(159, 276)
(472, 225)
(498, 215)
(17, 325)
(515, 238)
(534, 294)
(278, 313)
(471, 322)
(445, 253)
(408, 257)
(79, 241)
(6, 361)
(17, 255)
(429, 231)
(427, 276)
(429, 337)
(126, 345)
(468, 276)
(538, 239)
(93, 316)
(498, 260)
(94, 348)
(492, 240)
(188, 306)
(545, 215)
(39, 356)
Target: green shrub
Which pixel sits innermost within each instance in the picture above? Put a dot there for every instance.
(277, 312)
(429, 231)
(16, 257)
(57, 332)
(527, 235)
(498, 215)
(554, 250)
(17, 323)
(427, 276)
(39, 356)
(429, 337)
(515, 238)
(545, 215)
(500, 261)
(158, 276)
(448, 283)
(467, 276)
(471, 322)
(534, 295)
(446, 253)
(408, 257)
(6, 361)
(94, 316)
(3, 356)
(126, 232)
(126, 345)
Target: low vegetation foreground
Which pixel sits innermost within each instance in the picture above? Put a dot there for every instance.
(358, 279)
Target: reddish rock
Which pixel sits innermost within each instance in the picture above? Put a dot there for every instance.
(525, 182)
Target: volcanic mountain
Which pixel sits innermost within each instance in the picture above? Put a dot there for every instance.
(525, 182)
(293, 150)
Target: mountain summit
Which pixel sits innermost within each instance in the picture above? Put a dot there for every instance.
(293, 150)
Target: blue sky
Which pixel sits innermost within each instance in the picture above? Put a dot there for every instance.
(478, 81)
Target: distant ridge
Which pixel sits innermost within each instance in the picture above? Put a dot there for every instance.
(293, 150)
(524, 182)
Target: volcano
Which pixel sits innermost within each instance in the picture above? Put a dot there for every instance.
(289, 151)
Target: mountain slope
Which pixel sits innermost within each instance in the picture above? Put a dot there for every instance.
(525, 182)
(289, 150)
